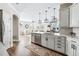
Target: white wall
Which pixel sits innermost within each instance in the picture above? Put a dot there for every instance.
(33, 27)
(23, 29)
(8, 21)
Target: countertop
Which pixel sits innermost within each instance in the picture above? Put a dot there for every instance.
(44, 32)
(69, 37)
(39, 32)
(3, 51)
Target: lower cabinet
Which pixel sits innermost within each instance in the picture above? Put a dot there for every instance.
(77, 50)
(44, 40)
(60, 44)
(51, 42)
(73, 48)
(57, 43)
(48, 41)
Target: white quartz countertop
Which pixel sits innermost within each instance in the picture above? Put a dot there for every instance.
(58, 34)
(47, 33)
(3, 51)
(39, 32)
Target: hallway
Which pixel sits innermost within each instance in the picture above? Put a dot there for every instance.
(19, 48)
(26, 48)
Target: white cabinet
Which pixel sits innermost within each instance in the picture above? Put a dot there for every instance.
(57, 43)
(77, 51)
(51, 41)
(72, 47)
(64, 17)
(60, 44)
(44, 40)
(48, 41)
(69, 15)
(69, 49)
(74, 15)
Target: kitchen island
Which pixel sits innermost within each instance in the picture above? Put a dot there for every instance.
(65, 44)
(50, 40)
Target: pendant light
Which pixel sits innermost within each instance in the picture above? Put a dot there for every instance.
(33, 25)
(54, 18)
(46, 20)
(39, 21)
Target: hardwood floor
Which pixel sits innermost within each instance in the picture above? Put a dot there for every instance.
(26, 48)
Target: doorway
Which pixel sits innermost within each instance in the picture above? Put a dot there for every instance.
(15, 29)
(1, 26)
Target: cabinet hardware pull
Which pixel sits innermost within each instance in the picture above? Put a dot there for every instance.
(46, 39)
(58, 44)
(58, 47)
(73, 46)
(59, 41)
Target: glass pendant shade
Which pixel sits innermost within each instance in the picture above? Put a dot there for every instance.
(46, 20)
(39, 21)
(54, 20)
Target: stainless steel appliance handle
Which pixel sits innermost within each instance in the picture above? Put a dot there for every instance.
(3, 25)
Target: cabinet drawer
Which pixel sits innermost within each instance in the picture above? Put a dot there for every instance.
(60, 39)
(60, 48)
(59, 44)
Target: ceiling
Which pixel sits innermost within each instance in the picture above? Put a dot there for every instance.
(29, 11)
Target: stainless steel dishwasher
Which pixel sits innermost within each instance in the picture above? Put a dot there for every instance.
(38, 39)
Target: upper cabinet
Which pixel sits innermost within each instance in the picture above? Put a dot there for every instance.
(74, 15)
(69, 15)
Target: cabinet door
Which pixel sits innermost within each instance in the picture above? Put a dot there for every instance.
(74, 15)
(77, 52)
(51, 42)
(44, 40)
(64, 17)
(72, 49)
(68, 47)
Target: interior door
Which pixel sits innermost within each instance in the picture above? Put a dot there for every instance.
(7, 33)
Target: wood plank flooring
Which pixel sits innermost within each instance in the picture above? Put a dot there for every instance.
(26, 48)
